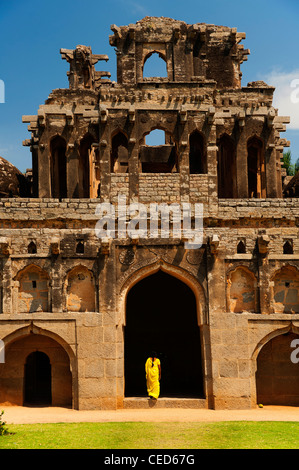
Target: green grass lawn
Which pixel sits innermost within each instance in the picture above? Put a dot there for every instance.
(129, 435)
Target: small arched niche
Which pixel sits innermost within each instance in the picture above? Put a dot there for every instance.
(285, 293)
(80, 290)
(241, 247)
(31, 249)
(288, 247)
(33, 290)
(241, 291)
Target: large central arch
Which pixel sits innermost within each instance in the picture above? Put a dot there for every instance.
(161, 313)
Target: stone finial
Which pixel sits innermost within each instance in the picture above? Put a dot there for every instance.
(82, 62)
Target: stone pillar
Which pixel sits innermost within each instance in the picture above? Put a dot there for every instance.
(216, 310)
(133, 167)
(271, 173)
(56, 287)
(72, 174)
(183, 157)
(105, 174)
(263, 269)
(44, 176)
(241, 162)
(212, 150)
(110, 352)
(9, 288)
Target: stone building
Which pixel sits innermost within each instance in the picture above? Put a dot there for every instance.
(79, 313)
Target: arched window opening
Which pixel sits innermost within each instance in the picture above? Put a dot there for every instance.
(155, 66)
(85, 165)
(256, 169)
(241, 247)
(197, 154)
(288, 248)
(155, 137)
(58, 168)
(227, 178)
(32, 248)
(158, 154)
(37, 379)
(119, 154)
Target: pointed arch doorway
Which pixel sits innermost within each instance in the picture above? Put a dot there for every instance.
(277, 374)
(161, 314)
(37, 379)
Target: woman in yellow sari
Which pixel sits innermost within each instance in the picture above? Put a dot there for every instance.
(153, 376)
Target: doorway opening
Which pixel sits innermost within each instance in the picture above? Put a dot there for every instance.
(161, 315)
(37, 378)
(277, 375)
(256, 169)
(58, 168)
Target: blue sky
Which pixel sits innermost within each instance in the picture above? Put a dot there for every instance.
(33, 31)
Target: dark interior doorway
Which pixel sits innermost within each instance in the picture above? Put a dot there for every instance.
(277, 375)
(58, 168)
(37, 379)
(161, 314)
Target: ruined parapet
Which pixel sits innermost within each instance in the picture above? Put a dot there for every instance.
(198, 52)
(217, 133)
(82, 73)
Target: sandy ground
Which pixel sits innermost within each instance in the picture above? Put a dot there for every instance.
(26, 415)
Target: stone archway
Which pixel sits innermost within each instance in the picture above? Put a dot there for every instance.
(277, 376)
(20, 371)
(161, 313)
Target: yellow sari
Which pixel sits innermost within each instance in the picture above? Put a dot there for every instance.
(152, 374)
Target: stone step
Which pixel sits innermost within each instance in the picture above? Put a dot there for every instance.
(165, 402)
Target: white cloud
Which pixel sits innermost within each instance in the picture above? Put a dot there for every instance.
(286, 94)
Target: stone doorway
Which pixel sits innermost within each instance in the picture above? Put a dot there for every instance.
(277, 376)
(37, 379)
(37, 371)
(161, 314)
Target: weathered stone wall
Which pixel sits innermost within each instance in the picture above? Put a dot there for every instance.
(159, 188)
(244, 278)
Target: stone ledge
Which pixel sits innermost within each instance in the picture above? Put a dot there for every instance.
(164, 402)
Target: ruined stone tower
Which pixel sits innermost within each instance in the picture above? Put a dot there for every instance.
(88, 310)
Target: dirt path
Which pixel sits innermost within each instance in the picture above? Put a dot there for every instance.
(23, 415)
